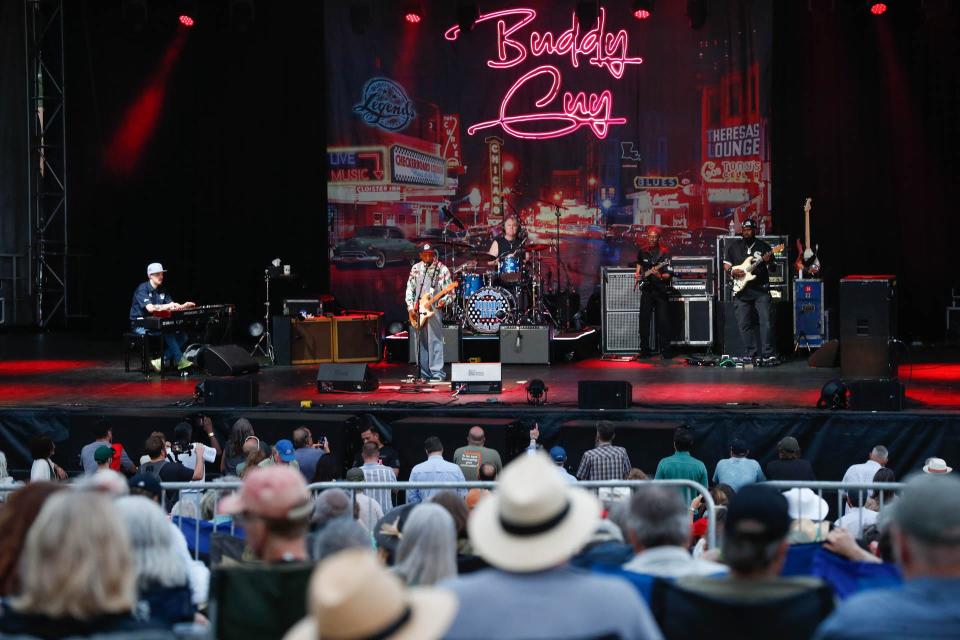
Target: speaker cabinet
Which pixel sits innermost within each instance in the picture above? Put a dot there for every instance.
(229, 392)
(868, 322)
(875, 395)
(302, 341)
(227, 360)
(604, 394)
(476, 377)
(691, 321)
(356, 338)
(451, 344)
(346, 377)
(524, 345)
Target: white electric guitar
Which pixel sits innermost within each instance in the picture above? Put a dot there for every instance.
(424, 308)
(747, 267)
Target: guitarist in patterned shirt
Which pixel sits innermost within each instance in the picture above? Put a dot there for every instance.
(753, 305)
(427, 278)
(652, 277)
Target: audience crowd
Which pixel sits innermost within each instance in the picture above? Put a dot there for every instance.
(112, 554)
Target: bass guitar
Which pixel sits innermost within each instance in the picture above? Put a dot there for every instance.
(747, 267)
(640, 278)
(423, 309)
(807, 261)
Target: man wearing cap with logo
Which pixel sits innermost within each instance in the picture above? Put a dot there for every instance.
(753, 305)
(151, 297)
(528, 530)
(427, 278)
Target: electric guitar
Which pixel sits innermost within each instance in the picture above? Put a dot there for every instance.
(640, 278)
(748, 266)
(807, 261)
(423, 310)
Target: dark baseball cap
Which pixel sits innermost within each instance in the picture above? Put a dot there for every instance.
(758, 512)
(748, 224)
(928, 509)
(103, 454)
(146, 483)
(559, 454)
(789, 445)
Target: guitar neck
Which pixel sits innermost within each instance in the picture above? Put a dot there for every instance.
(806, 229)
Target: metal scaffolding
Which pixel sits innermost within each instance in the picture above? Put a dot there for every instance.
(47, 160)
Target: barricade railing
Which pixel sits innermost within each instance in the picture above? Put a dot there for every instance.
(859, 493)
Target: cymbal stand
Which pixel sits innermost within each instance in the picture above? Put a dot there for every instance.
(264, 346)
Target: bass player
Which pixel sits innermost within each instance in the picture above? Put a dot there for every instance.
(427, 278)
(753, 304)
(652, 276)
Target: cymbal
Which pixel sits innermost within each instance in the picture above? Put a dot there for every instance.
(537, 247)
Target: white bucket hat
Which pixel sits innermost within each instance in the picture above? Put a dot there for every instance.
(534, 520)
(344, 586)
(155, 267)
(936, 465)
(804, 503)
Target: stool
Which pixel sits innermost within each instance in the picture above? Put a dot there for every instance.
(147, 345)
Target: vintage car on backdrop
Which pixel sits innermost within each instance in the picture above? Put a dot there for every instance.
(377, 246)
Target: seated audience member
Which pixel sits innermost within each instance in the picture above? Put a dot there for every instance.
(753, 601)
(389, 531)
(233, 453)
(340, 534)
(487, 473)
(427, 553)
(16, 517)
(435, 469)
(373, 471)
(808, 511)
(925, 527)
(467, 560)
(738, 470)
(103, 435)
(863, 472)
(721, 495)
(789, 465)
(78, 577)
(368, 510)
(106, 481)
(6, 480)
(682, 465)
(936, 466)
(604, 548)
(256, 454)
(166, 470)
(476, 453)
(43, 468)
(162, 576)
(308, 452)
(330, 505)
(339, 601)
(559, 456)
(528, 530)
(659, 529)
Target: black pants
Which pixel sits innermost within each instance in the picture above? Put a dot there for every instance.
(752, 312)
(654, 299)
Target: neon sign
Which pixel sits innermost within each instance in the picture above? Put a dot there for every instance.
(601, 48)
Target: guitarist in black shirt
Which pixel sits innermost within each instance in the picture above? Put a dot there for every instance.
(652, 276)
(752, 303)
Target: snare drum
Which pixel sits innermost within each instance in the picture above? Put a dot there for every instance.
(510, 269)
(489, 308)
(471, 283)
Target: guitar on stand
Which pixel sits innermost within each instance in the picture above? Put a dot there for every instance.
(807, 263)
(423, 309)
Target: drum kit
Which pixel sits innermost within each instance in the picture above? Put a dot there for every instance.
(496, 293)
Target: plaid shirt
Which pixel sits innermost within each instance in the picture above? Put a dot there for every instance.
(373, 472)
(438, 277)
(605, 462)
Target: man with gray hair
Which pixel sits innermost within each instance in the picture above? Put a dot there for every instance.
(863, 473)
(658, 528)
(339, 534)
(330, 504)
(925, 530)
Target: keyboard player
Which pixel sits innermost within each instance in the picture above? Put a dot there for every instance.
(152, 298)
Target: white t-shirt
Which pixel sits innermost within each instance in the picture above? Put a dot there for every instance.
(41, 470)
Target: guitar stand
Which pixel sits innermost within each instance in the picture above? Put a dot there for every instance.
(802, 342)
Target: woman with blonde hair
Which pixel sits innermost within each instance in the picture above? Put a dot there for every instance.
(76, 575)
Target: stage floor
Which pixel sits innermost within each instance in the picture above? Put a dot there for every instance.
(77, 370)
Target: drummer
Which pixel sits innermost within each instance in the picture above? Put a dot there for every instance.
(507, 244)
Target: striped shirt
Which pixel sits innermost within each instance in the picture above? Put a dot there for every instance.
(605, 462)
(373, 472)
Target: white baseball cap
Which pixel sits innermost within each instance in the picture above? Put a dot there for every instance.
(155, 267)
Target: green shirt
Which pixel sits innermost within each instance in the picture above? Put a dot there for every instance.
(471, 457)
(682, 466)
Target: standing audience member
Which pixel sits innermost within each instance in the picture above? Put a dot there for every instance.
(307, 451)
(658, 525)
(103, 456)
(166, 470)
(475, 454)
(925, 523)
(789, 465)
(386, 455)
(41, 450)
(368, 509)
(681, 465)
(284, 453)
(233, 453)
(16, 517)
(103, 435)
(435, 469)
(354, 597)
(163, 587)
(328, 470)
(428, 549)
(6, 480)
(189, 453)
(605, 461)
(78, 577)
(559, 456)
(863, 473)
(738, 470)
(529, 529)
(373, 471)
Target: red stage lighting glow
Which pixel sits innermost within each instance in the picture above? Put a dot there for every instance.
(641, 14)
(412, 18)
(186, 20)
(878, 8)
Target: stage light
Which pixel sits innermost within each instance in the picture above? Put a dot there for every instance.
(186, 20)
(697, 12)
(256, 329)
(833, 395)
(878, 8)
(642, 9)
(508, 165)
(413, 12)
(537, 392)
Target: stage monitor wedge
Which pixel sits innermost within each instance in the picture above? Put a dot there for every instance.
(229, 392)
(352, 376)
(227, 360)
(476, 377)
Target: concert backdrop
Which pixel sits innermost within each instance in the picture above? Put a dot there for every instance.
(588, 131)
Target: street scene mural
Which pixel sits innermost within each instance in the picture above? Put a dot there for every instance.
(587, 126)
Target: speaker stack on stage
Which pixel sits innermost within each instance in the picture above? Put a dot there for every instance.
(868, 329)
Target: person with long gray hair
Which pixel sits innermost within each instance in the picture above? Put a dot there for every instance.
(428, 550)
(339, 534)
(163, 587)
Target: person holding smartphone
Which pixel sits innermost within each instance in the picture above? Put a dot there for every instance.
(308, 452)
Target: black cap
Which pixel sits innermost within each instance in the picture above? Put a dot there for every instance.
(758, 512)
(146, 483)
(748, 224)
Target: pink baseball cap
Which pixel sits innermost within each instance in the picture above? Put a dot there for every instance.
(275, 492)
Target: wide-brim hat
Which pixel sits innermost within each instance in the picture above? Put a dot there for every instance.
(534, 520)
(342, 589)
(804, 503)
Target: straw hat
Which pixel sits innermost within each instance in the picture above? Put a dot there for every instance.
(353, 596)
(534, 520)
(936, 465)
(804, 503)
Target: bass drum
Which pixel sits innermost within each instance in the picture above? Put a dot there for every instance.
(489, 308)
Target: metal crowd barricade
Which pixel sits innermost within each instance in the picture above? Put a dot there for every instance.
(842, 489)
(351, 487)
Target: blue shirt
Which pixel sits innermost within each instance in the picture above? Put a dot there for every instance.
(145, 294)
(307, 458)
(435, 469)
(921, 608)
(738, 472)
